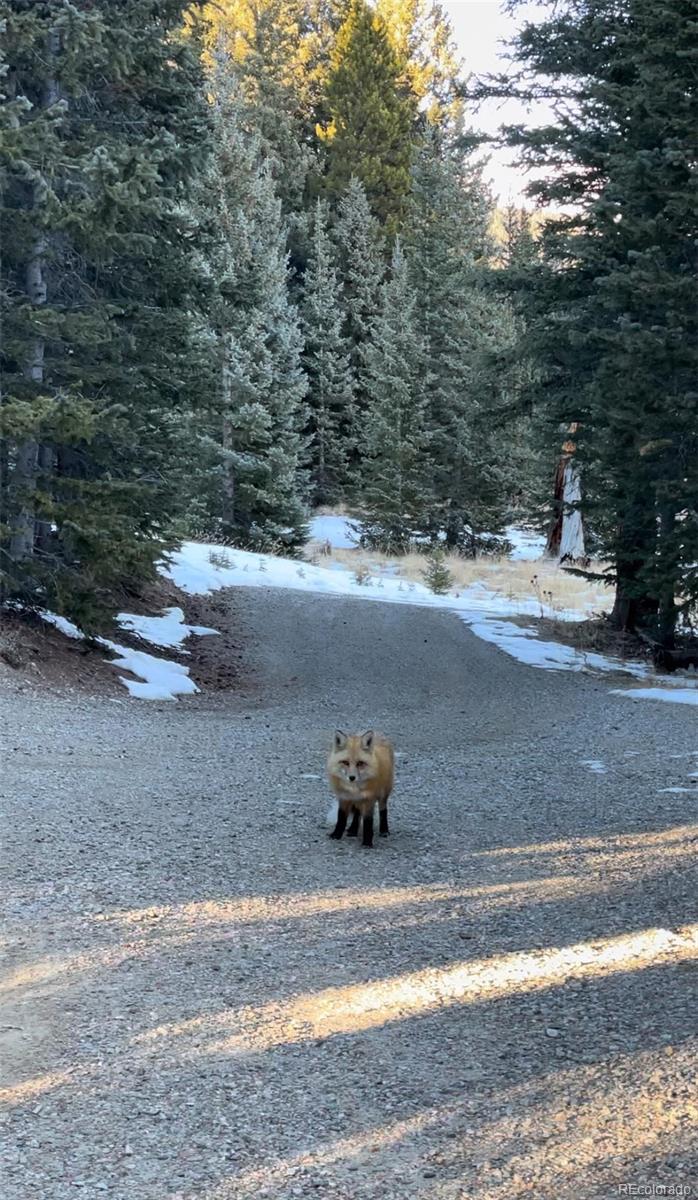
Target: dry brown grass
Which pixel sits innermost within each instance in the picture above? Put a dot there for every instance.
(555, 589)
(595, 636)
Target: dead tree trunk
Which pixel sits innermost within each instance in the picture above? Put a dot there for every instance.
(566, 535)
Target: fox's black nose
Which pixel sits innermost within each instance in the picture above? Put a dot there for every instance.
(352, 778)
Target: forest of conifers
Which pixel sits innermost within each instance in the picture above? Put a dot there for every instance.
(250, 266)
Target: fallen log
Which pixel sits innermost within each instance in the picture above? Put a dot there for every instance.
(678, 659)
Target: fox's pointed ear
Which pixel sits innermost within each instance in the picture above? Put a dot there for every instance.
(367, 739)
(340, 739)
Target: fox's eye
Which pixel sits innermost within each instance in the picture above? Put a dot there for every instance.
(361, 764)
(344, 762)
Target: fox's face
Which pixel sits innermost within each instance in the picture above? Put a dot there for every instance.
(353, 758)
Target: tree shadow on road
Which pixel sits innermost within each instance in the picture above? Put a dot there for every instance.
(511, 1030)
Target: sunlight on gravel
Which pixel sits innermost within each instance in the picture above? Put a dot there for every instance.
(206, 913)
(671, 838)
(338, 1010)
(574, 1148)
(32, 1089)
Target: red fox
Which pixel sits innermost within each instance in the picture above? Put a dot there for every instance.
(360, 770)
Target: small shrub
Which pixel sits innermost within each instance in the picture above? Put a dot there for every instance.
(436, 574)
(362, 575)
(220, 558)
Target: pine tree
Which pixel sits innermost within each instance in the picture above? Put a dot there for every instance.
(263, 41)
(614, 318)
(514, 235)
(100, 353)
(532, 458)
(464, 327)
(370, 133)
(326, 363)
(396, 474)
(436, 574)
(422, 39)
(361, 263)
(256, 489)
(320, 23)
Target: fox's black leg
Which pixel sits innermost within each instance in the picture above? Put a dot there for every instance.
(341, 823)
(353, 829)
(383, 820)
(368, 829)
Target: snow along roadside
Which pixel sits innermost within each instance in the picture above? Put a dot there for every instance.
(198, 568)
(158, 678)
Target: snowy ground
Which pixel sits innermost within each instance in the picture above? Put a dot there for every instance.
(199, 568)
(339, 531)
(157, 678)
(342, 533)
(526, 545)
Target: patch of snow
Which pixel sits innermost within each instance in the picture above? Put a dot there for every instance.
(168, 630)
(341, 533)
(158, 678)
(198, 568)
(523, 644)
(681, 790)
(527, 546)
(674, 695)
(63, 624)
(596, 765)
(162, 678)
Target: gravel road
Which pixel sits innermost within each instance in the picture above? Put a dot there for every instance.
(205, 998)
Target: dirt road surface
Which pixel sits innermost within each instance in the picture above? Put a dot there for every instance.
(204, 998)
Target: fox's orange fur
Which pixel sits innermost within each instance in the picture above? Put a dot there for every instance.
(360, 770)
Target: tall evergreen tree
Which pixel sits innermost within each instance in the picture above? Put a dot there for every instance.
(465, 327)
(513, 231)
(320, 23)
(370, 133)
(107, 127)
(262, 40)
(361, 262)
(326, 363)
(614, 318)
(396, 472)
(532, 458)
(421, 36)
(256, 489)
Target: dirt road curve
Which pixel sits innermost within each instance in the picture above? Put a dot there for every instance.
(207, 999)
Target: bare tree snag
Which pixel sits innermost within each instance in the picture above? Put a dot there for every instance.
(566, 535)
